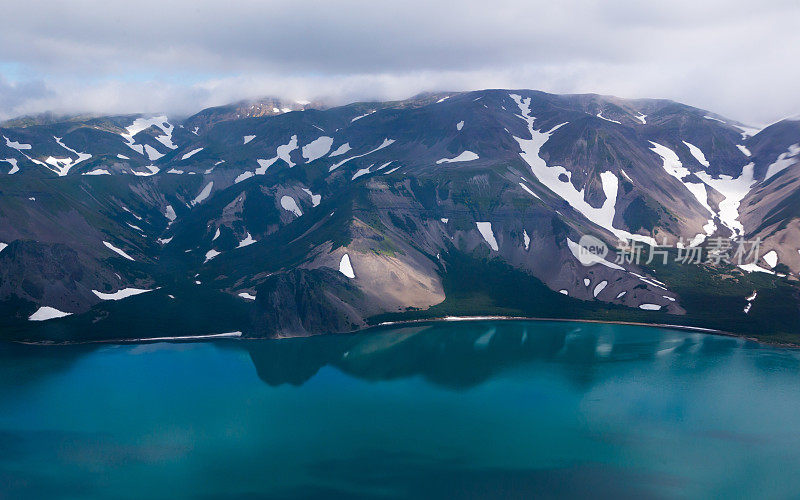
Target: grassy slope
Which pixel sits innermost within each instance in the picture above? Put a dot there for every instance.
(712, 299)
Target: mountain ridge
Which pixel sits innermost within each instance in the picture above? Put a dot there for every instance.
(221, 208)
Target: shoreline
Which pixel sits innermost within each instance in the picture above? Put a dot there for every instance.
(238, 335)
(668, 326)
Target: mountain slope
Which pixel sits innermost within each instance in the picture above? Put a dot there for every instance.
(304, 221)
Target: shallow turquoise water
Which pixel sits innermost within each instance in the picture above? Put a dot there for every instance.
(456, 410)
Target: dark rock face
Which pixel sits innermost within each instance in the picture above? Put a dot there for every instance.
(50, 273)
(304, 302)
(240, 217)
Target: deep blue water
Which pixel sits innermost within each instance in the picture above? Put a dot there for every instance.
(453, 410)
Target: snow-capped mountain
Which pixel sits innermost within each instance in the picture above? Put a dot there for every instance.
(281, 219)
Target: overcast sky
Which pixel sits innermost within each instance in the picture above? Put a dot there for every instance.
(740, 58)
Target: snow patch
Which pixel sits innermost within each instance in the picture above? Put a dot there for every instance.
(650, 307)
(344, 148)
(460, 125)
(754, 268)
(284, 151)
(14, 167)
(169, 213)
(248, 138)
(203, 194)
(345, 267)
(549, 176)
(117, 250)
(46, 312)
(465, 156)
(599, 288)
(317, 148)
(100, 171)
(771, 258)
(144, 123)
(783, 161)
(526, 239)
(360, 172)
(247, 296)
(386, 143)
(290, 205)
(16, 145)
(698, 154)
(120, 294)
(734, 191)
(526, 188)
(600, 115)
(191, 153)
(152, 170)
(247, 241)
(315, 198)
(588, 258)
(64, 165)
(485, 229)
(211, 254)
(152, 153)
(673, 166)
(362, 116)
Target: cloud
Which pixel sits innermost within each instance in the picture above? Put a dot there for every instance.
(733, 57)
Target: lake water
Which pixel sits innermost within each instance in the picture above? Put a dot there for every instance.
(450, 410)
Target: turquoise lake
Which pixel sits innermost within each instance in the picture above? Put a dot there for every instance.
(506, 409)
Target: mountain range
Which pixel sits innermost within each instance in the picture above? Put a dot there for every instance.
(273, 219)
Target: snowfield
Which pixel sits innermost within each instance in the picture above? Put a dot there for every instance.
(549, 176)
(734, 191)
